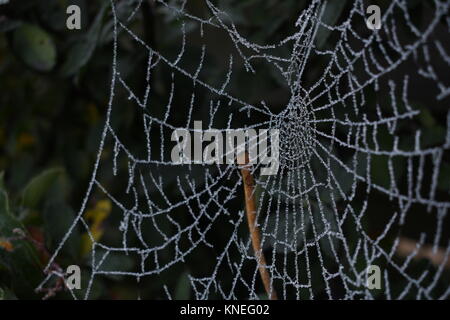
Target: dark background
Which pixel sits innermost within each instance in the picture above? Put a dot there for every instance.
(54, 90)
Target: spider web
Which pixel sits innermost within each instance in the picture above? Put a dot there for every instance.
(320, 226)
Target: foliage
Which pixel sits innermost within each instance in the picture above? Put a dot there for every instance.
(54, 92)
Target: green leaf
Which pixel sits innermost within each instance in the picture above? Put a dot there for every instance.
(96, 288)
(83, 49)
(344, 177)
(330, 16)
(6, 294)
(35, 47)
(7, 221)
(434, 136)
(58, 217)
(444, 181)
(426, 118)
(183, 288)
(21, 265)
(2, 180)
(113, 261)
(380, 170)
(36, 189)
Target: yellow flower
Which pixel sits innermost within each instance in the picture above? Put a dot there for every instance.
(25, 140)
(2, 136)
(92, 114)
(5, 244)
(95, 218)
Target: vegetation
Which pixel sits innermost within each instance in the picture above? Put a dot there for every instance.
(54, 86)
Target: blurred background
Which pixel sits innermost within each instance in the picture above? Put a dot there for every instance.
(54, 91)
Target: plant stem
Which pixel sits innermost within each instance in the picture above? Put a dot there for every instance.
(255, 232)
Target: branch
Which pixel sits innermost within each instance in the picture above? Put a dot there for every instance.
(406, 247)
(255, 232)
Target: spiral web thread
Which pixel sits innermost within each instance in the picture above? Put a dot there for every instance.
(313, 212)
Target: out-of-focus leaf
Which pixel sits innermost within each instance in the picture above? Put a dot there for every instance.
(379, 164)
(432, 133)
(183, 288)
(114, 261)
(6, 294)
(35, 47)
(2, 180)
(426, 118)
(96, 289)
(58, 217)
(36, 189)
(344, 177)
(444, 180)
(83, 49)
(7, 222)
(20, 170)
(433, 136)
(21, 263)
(330, 16)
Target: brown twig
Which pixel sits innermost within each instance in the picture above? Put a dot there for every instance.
(406, 247)
(255, 232)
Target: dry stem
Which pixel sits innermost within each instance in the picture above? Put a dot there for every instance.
(255, 232)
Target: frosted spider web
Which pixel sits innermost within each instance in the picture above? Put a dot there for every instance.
(315, 213)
